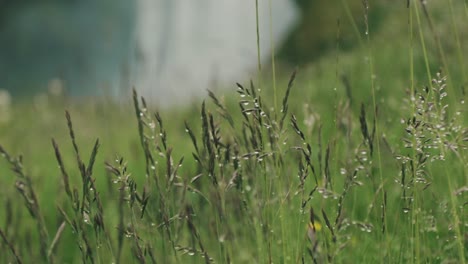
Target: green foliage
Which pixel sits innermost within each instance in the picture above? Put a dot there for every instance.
(325, 24)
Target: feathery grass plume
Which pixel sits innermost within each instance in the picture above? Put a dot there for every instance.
(65, 177)
(215, 135)
(122, 178)
(307, 153)
(309, 197)
(222, 109)
(88, 185)
(128, 194)
(88, 210)
(162, 131)
(24, 187)
(139, 119)
(189, 212)
(303, 173)
(207, 143)
(330, 227)
(192, 137)
(431, 135)
(140, 115)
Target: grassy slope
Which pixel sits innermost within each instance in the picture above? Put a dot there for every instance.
(262, 213)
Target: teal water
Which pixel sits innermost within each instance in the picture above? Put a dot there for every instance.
(86, 43)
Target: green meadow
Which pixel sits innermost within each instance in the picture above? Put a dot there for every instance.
(357, 157)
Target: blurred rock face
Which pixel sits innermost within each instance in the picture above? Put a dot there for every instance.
(170, 50)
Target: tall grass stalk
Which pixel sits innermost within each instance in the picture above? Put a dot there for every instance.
(377, 139)
(257, 27)
(273, 57)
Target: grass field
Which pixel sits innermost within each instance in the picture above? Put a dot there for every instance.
(359, 157)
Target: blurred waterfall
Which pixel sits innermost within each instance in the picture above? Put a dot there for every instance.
(170, 50)
(185, 45)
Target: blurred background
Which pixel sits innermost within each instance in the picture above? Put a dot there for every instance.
(170, 50)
